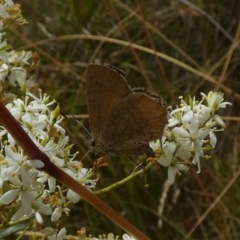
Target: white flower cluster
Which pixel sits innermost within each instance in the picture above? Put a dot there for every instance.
(14, 65)
(23, 188)
(190, 133)
(9, 13)
(51, 234)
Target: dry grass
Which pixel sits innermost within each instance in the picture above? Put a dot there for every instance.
(172, 48)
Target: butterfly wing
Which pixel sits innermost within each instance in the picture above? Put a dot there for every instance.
(137, 119)
(105, 87)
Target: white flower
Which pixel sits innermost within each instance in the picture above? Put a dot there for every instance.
(167, 155)
(175, 118)
(26, 189)
(51, 234)
(9, 3)
(204, 113)
(17, 107)
(60, 207)
(19, 57)
(215, 99)
(17, 76)
(3, 53)
(128, 237)
(173, 122)
(192, 137)
(155, 145)
(57, 213)
(3, 72)
(15, 161)
(3, 13)
(190, 127)
(168, 160)
(45, 178)
(81, 175)
(35, 126)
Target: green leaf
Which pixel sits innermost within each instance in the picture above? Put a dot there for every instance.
(13, 229)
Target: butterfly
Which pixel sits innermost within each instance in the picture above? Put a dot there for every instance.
(122, 120)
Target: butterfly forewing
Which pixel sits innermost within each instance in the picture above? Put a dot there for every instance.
(105, 87)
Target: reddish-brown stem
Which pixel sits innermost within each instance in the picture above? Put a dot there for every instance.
(33, 152)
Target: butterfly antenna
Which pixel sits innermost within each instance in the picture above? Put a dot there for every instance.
(82, 126)
(63, 115)
(85, 155)
(77, 122)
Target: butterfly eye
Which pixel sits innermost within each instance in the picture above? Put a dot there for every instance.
(92, 143)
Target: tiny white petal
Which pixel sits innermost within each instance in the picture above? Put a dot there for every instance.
(203, 133)
(61, 234)
(26, 178)
(83, 172)
(184, 150)
(43, 208)
(194, 125)
(171, 175)
(224, 104)
(181, 132)
(172, 122)
(164, 161)
(26, 200)
(16, 181)
(18, 215)
(52, 184)
(57, 213)
(48, 231)
(35, 163)
(72, 196)
(127, 237)
(196, 161)
(38, 217)
(171, 147)
(187, 117)
(198, 148)
(213, 139)
(219, 120)
(9, 196)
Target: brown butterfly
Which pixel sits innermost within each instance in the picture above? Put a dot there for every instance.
(122, 120)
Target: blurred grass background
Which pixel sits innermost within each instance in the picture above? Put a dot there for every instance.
(202, 34)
